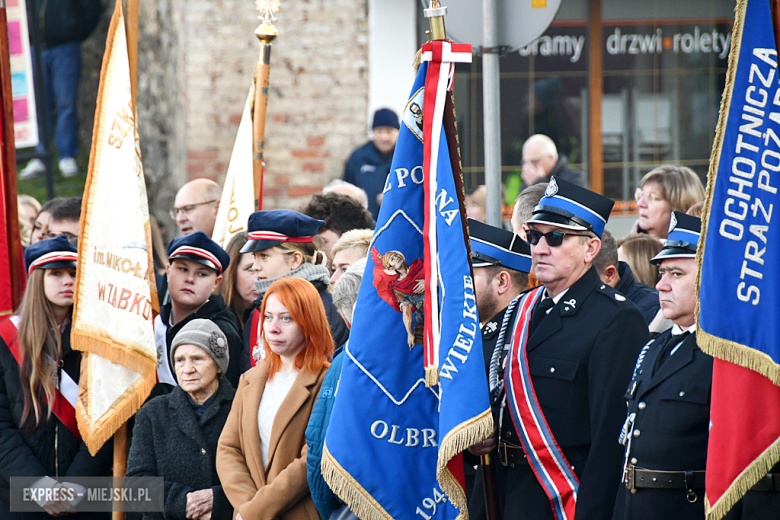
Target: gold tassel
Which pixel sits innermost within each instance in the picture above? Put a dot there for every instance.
(417, 60)
(456, 441)
(349, 490)
(128, 355)
(431, 376)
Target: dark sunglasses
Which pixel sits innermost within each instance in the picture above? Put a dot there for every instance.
(553, 238)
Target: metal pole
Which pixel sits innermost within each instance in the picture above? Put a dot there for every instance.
(491, 103)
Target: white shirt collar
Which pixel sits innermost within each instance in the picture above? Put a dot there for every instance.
(677, 330)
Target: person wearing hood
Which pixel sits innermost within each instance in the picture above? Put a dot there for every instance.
(175, 435)
(195, 267)
(285, 243)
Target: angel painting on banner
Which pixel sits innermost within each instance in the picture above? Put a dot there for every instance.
(402, 285)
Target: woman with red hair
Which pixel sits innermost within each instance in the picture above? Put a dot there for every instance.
(261, 458)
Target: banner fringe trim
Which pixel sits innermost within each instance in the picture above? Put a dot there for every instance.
(749, 477)
(457, 440)
(349, 490)
(130, 402)
(108, 349)
(738, 354)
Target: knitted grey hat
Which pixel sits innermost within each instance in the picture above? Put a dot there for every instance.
(206, 335)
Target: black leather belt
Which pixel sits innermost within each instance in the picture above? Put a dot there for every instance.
(770, 483)
(512, 455)
(636, 478)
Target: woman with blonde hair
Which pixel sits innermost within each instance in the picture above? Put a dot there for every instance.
(285, 244)
(39, 374)
(663, 190)
(637, 250)
(238, 284)
(261, 456)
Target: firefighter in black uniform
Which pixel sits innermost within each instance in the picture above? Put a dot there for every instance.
(501, 261)
(583, 340)
(666, 430)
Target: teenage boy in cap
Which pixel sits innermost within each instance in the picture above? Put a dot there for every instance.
(574, 343)
(195, 267)
(368, 166)
(667, 427)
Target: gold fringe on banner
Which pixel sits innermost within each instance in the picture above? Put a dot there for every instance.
(349, 490)
(96, 434)
(120, 352)
(742, 484)
(466, 434)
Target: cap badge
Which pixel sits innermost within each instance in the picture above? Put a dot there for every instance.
(552, 188)
(672, 223)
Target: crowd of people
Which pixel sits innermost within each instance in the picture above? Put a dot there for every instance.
(250, 343)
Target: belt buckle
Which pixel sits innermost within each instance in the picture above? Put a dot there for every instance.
(630, 478)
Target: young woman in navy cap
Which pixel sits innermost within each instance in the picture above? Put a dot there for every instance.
(284, 244)
(39, 376)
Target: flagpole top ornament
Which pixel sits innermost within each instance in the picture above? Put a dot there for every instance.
(436, 15)
(267, 9)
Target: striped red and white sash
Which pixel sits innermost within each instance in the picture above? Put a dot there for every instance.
(544, 455)
(66, 396)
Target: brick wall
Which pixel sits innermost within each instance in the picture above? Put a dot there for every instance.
(317, 100)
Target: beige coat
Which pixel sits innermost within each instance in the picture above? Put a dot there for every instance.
(279, 490)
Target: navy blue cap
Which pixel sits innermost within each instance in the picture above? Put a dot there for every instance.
(385, 117)
(684, 234)
(495, 246)
(50, 253)
(198, 247)
(271, 228)
(569, 206)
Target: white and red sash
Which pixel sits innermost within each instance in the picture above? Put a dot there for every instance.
(442, 56)
(544, 455)
(66, 395)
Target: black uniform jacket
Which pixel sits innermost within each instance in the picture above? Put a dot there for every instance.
(26, 453)
(670, 431)
(641, 295)
(170, 441)
(581, 357)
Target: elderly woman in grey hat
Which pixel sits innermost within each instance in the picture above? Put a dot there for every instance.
(175, 435)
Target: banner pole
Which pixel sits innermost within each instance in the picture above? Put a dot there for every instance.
(14, 239)
(266, 32)
(120, 461)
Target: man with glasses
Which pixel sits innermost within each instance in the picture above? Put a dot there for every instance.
(196, 206)
(65, 220)
(541, 162)
(574, 342)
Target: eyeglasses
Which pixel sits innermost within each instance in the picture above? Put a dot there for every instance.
(188, 208)
(553, 238)
(533, 162)
(650, 196)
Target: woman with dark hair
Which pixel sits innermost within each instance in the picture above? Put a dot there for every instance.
(238, 284)
(285, 244)
(261, 457)
(39, 375)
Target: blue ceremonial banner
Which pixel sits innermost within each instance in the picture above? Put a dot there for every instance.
(740, 252)
(393, 444)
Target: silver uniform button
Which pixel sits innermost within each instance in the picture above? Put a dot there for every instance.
(633, 460)
(203, 451)
(637, 433)
(642, 405)
(682, 394)
(552, 370)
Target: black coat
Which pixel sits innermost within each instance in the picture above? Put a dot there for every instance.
(216, 310)
(672, 407)
(641, 295)
(32, 453)
(580, 358)
(169, 441)
(338, 328)
(65, 21)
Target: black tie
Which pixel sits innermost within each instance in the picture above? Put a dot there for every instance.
(539, 313)
(667, 349)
